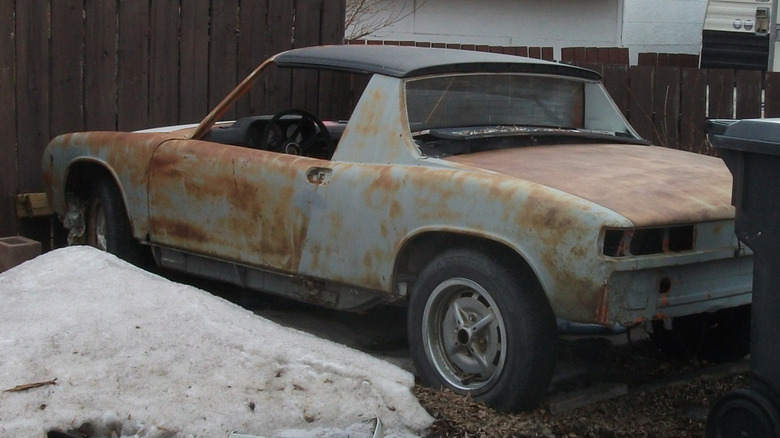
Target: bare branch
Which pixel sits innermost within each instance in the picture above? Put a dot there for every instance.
(364, 17)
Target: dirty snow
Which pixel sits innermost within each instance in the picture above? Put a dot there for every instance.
(136, 355)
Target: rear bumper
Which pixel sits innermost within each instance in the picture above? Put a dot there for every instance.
(641, 295)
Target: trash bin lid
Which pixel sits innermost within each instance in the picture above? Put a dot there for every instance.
(749, 135)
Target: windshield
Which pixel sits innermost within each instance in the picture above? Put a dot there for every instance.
(478, 106)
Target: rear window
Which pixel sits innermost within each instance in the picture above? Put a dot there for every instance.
(491, 99)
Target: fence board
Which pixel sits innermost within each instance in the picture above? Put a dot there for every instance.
(307, 30)
(616, 83)
(67, 28)
(332, 29)
(193, 71)
(100, 67)
(164, 54)
(693, 110)
(335, 90)
(772, 98)
(32, 89)
(278, 86)
(252, 52)
(721, 84)
(133, 73)
(749, 85)
(8, 144)
(666, 106)
(640, 102)
(223, 52)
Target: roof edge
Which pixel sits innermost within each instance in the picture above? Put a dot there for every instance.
(407, 61)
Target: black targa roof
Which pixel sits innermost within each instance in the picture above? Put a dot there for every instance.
(403, 62)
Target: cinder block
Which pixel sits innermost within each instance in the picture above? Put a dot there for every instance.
(16, 250)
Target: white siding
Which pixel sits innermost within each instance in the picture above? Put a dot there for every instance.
(556, 23)
(665, 26)
(668, 26)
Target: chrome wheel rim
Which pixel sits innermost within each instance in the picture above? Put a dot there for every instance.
(464, 335)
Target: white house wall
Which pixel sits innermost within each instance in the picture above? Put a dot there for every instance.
(554, 23)
(663, 26)
(668, 26)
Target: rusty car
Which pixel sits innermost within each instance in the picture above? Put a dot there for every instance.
(493, 195)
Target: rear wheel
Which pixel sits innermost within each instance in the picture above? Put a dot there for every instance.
(722, 336)
(484, 328)
(108, 227)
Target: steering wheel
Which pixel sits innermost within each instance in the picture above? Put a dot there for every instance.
(300, 136)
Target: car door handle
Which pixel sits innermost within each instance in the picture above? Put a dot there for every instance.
(319, 175)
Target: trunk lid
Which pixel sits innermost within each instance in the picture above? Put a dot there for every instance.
(649, 185)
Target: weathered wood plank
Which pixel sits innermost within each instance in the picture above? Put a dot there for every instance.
(334, 88)
(279, 83)
(193, 68)
(587, 396)
(616, 83)
(67, 87)
(223, 52)
(693, 110)
(100, 67)
(133, 71)
(164, 62)
(666, 106)
(749, 84)
(252, 51)
(640, 102)
(772, 97)
(308, 17)
(9, 186)
(721, 84)
(32, 90)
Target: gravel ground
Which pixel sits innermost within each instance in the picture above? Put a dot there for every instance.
(662, 398)
(675, 411)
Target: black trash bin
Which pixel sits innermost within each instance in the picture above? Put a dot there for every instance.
(751, 151)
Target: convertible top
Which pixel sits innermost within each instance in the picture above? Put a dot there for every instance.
(407, 61)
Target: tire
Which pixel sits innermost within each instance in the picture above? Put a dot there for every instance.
(108, 227)
(743, 413)
(722, 336)
(484, 328)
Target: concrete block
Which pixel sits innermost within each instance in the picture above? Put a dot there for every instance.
(16, 250)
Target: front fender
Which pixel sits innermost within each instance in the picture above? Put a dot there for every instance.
(71, 162)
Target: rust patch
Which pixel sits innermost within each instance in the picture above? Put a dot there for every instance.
(602, 312)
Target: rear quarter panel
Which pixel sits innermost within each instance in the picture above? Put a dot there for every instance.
(365, 215)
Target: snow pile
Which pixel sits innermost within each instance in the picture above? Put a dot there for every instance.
(134, 354)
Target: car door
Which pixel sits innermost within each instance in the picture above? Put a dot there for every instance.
(358, 222)
(231, 203)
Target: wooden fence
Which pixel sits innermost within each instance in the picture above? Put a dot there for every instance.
(72, 65)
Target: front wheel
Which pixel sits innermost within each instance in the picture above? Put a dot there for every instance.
(482, 327)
